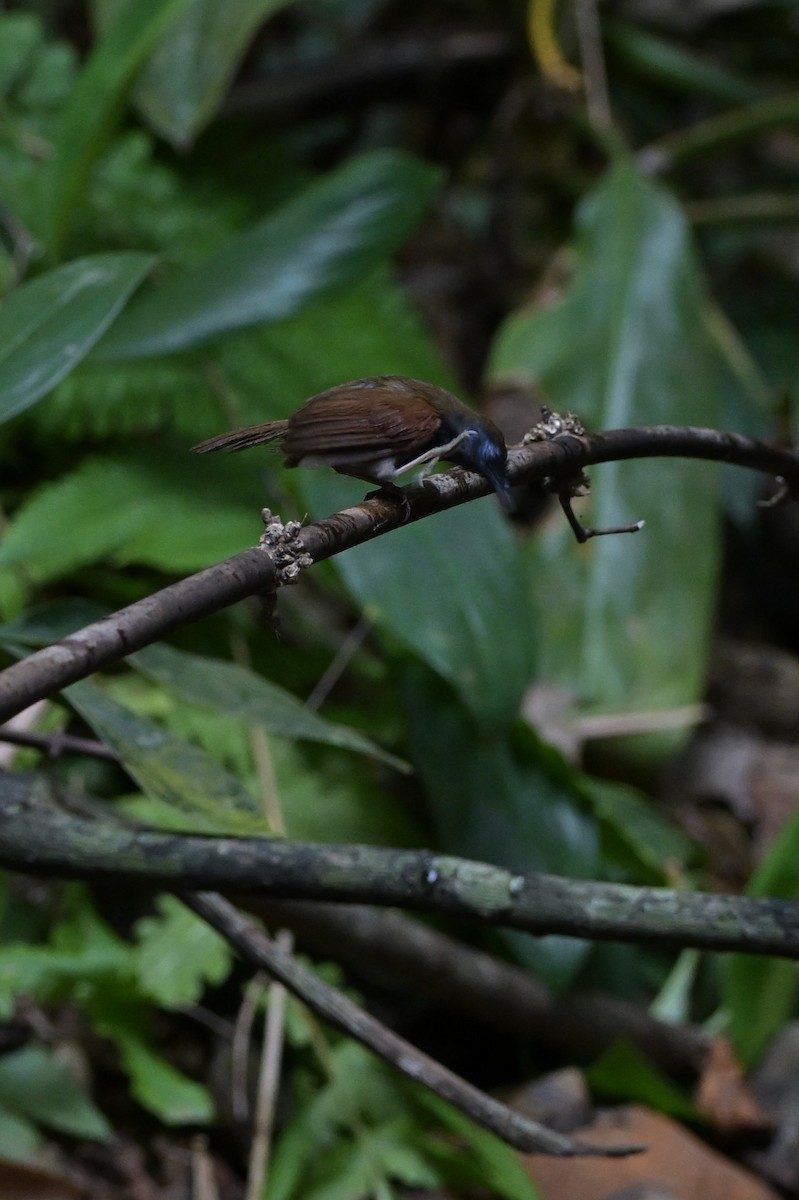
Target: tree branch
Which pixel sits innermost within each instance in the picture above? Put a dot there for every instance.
(253, 571)
(45, 840)
(387, 948)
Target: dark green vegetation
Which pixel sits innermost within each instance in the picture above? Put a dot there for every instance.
(201, 227)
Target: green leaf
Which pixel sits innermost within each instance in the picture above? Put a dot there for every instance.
(92, 108)
(332, 232)
(189, 72)
(82, 952)
(357, 808)
(177, 955)
(760, 993)
(359, 1093)
(452, 590)
(114, 508)
(673, 66)
(365, 1166)
(627, 347)
(494, 802)
(20, 37)
(157, 1085)
(623, 1073)
(496, 1164)
(48, 325)
(35, 1085)
(656, 844)
(241, 693)
(169, 769)
(19, 1139)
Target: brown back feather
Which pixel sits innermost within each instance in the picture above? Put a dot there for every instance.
(373, 416)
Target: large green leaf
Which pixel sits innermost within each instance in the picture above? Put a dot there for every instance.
(760, 993)
(239, 692)
(48, 325)
(452, 590)
(34, 1085)
(335, 230)
(114, 508)
(493, 801)
(157, 1085)
(92, 109)
(189, 783)
(186, 76)
(626, 620)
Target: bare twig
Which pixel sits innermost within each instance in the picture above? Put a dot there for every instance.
(595, 80)
(341, 660)
(269, 1079)
(56, 744)
(240, 1046)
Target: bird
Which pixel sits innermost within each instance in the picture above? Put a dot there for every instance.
(377, 428)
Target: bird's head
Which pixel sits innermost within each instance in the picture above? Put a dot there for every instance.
(484, 451)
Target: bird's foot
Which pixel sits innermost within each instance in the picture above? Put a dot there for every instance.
(390, 491)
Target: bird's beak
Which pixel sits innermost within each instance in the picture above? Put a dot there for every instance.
(499, 483)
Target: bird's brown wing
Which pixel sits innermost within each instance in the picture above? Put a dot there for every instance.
(371, 420)
(242, 439)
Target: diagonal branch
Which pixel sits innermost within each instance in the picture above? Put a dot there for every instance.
(253, 571)
(338, 1010)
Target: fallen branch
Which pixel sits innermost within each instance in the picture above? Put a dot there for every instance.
(46, 840)
(334, 1007)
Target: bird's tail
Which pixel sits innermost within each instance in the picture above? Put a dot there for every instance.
(242, 439)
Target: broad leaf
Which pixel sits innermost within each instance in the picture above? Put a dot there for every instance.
(493, 802)
(93, 107)
(624, 1073)
(157, 1085)
(626, 620)
(452, 590)
(760, 993)
(114, 508)
(169, 770)
(334, 231)
(48, 325)
(34, 1085)
(188, 73)
(241, 693)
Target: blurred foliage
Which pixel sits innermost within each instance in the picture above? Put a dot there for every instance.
(211, 212)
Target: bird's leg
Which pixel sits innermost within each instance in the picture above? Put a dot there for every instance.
(432, 456)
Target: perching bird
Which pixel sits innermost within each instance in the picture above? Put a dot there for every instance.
(374, 429)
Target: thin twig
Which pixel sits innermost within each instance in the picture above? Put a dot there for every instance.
(203, 1180)
(240, 1047)
(268, 1079)
(341, 660)
(595, 79)
(56, 744)
(253, 945)
(609, 725)
(274, 1021)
